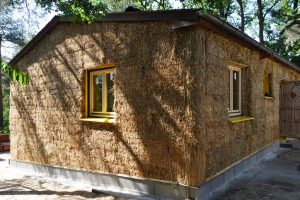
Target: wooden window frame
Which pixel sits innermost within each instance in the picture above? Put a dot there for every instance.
(267, 84)
(91, 74)
(231, 112)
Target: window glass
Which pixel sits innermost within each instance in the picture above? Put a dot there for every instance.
(267, 84)
(234, 107)
(97, 81)
(101, 93)
(235, 88)
(110, 91)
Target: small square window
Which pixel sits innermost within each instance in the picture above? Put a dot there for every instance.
(101, 93)
(267, 84)
(235, 97)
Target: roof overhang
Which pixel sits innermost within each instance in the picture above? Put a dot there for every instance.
(250, 41)
(178, 18)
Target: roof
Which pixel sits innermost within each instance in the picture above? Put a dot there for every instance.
(179, 19)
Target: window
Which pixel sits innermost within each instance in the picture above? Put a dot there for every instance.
(235, 97)
(101, 93)
(267, 84)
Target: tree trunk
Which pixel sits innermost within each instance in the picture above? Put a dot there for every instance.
(163, 4)
(1, 94)
(221, 10)
(295, 5)
(261, 21)
(228, 6)
(240, 2)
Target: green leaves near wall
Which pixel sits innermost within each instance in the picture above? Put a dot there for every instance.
(14, 74)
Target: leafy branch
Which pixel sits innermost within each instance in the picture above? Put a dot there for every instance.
(14, 74)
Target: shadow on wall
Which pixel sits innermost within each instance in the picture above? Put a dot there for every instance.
(149, 138)
(25, 148)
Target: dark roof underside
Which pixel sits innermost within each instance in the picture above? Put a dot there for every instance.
(178, 19)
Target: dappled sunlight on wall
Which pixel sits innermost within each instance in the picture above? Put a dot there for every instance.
(149, 137)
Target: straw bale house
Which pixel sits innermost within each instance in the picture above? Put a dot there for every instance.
(166, 96)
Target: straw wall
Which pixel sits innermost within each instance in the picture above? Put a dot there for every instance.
(149, 138)
(227, 143)
(171, 102)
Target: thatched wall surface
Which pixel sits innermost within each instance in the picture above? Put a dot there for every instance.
(149, 136)
(171, 101)
(228, 143)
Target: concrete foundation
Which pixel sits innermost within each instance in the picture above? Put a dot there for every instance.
(221, 182)
(150, 188)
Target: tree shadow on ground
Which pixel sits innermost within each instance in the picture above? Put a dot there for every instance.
(32, 186)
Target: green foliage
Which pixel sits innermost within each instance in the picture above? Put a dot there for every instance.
(117, 5)
(152, 4)
(201, 5)
(82, 10)
(283, 30)
(220, 8)
(14, 74)
(89, 10)
(5, 94)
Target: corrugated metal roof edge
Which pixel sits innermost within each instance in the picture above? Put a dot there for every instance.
(185, 15)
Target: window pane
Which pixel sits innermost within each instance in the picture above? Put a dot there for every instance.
(267, 80)
(97, 81)
(110, 92)
(235, 85)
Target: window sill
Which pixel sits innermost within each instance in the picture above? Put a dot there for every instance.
(270, 98)
(240, 119)
(98, 120)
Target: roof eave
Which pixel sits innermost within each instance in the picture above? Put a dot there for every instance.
(36, 38)
(179, 18)
(242, 36)
(183, 15)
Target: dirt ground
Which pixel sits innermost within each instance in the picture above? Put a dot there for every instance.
(17, 185)
(273, 179)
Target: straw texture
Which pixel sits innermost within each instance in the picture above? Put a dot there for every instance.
(172, 92)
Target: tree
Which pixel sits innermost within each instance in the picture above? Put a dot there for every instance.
(121, 5)
(285, 40)
(264, 16)
(222, 8)
(89, 10)
(262, 11)
(153, 5)
(83, 10)
(242, 15)
(11, 31)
